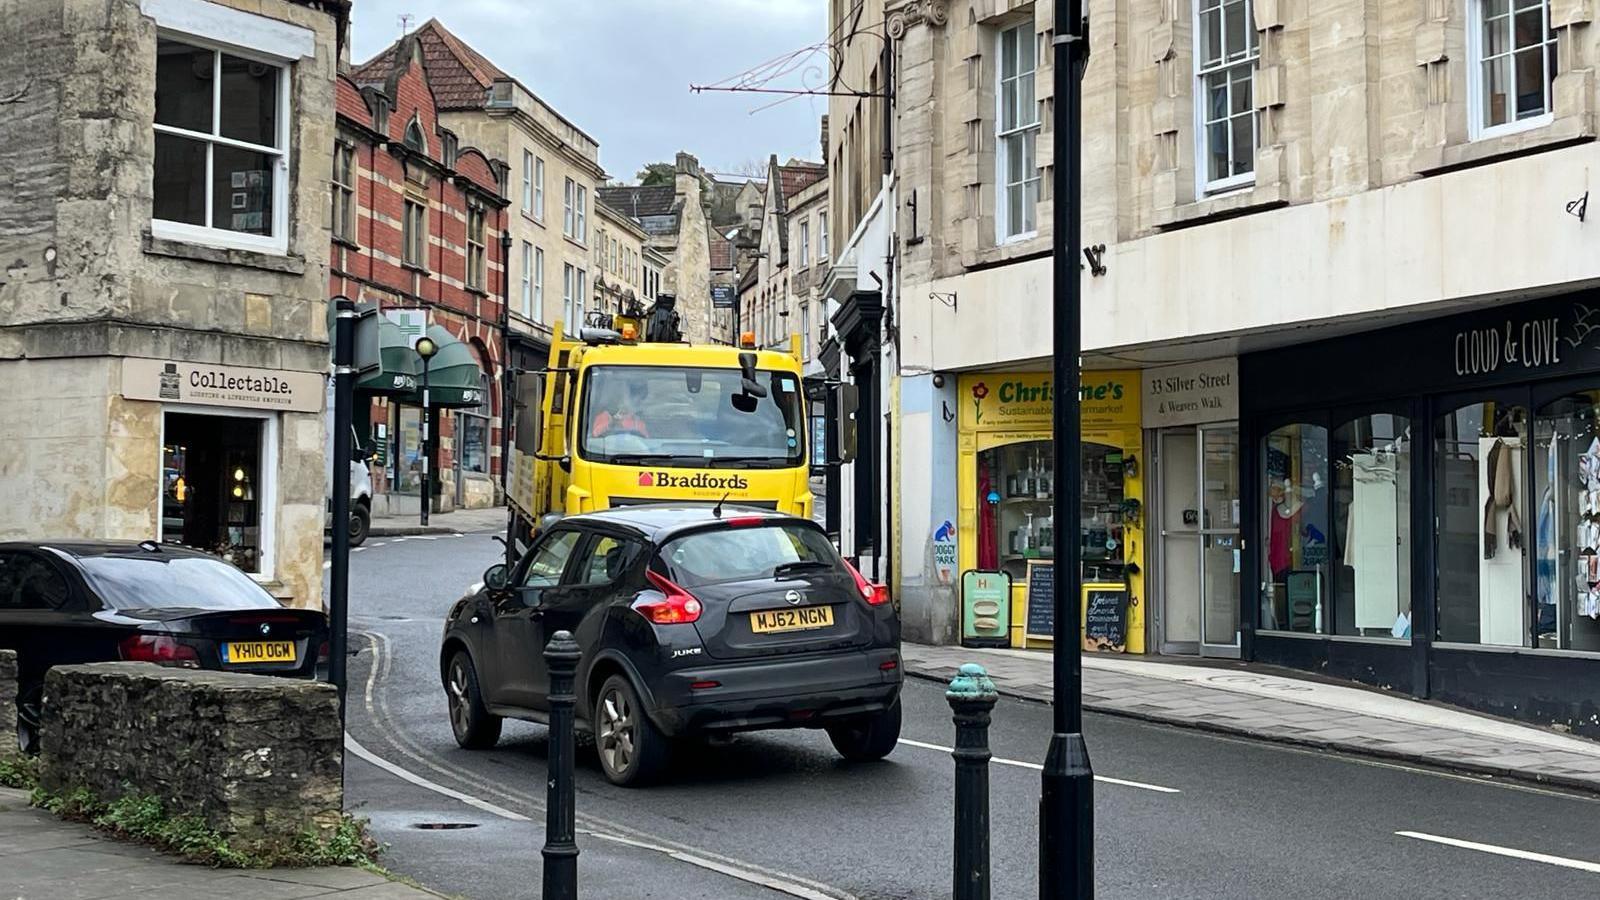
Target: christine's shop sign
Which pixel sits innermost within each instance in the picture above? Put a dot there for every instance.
(204, 384)
(1026, 400)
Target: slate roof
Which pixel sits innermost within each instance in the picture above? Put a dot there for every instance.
(639, 201)
(459, 75)
(748, 279)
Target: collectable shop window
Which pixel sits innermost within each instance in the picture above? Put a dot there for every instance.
(221, 147)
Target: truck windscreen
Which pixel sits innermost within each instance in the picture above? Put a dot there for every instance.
(687, 417)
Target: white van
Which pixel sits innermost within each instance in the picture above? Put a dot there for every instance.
(360, 481)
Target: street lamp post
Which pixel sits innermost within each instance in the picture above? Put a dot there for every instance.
(426, 348)
(1066, 799)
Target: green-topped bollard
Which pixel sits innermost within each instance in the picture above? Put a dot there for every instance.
(560, 851)
(972, 697)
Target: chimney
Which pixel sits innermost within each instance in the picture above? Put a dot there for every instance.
(825, 155)
(687, 164)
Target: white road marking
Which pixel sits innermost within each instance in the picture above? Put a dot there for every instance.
(355, 747)
(457, 534)
(782, 882)
(357, 549)
(1580, 864)
(1039, 768)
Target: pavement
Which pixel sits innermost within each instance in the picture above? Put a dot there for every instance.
(460, 521)
(45, 858)
(1267, 704)
(1180, 813)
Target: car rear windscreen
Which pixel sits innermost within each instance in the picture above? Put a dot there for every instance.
(154, 582)
(743, 554)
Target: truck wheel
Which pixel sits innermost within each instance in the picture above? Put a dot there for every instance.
(868, 739)
(360, 523)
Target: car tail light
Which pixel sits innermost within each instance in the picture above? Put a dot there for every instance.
(157, 648)
(889, 666)
(745, 521)
(676, 606)
(323, 653)
(874, 594)
(704, 685)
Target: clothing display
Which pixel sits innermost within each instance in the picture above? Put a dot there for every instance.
(1588, 549)
(1502, 495)
(1372, 539)
(1285, 523)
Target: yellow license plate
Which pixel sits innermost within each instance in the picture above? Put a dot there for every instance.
(259, 652)
(800, 619)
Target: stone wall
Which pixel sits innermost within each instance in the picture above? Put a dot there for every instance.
(257, 758)
(8, 702)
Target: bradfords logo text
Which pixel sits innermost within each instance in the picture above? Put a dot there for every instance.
(700, 480)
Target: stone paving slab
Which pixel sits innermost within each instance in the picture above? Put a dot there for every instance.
(1283, 709)
(44, 858)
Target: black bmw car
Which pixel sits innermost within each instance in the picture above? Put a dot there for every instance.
(692, 621)
(64, 602)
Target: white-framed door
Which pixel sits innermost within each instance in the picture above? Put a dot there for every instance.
(265, 486)
(1201, 548)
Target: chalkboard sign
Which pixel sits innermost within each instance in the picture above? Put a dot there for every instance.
(1041, 600)
(1105, 618)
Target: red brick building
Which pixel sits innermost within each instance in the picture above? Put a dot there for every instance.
(417, 223)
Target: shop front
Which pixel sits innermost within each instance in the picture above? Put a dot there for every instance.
(226, 436)
(1190, 414)
(1425, 503)
(1005, 484)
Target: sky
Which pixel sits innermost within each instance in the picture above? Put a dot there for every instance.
(621, 69)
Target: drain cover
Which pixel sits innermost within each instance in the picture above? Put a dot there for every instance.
(444, 826)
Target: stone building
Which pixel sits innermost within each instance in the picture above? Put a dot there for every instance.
(674, 216)
(618, 260)
(772, 313)
(555, 174)
(1337, 286)
(418, 220)
(163, 336)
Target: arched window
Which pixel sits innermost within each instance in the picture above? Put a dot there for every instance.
(414, 137)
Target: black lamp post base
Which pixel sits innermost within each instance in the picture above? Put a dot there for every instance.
(1066, 821)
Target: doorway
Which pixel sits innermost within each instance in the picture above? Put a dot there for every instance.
(216, 486)
(1200, 547)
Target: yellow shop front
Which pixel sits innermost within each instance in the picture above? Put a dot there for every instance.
(1006, 490)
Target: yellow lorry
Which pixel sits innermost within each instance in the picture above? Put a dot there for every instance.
(626, 413)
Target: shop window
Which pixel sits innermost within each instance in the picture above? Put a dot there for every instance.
(1566, 527)
(1016, 524)
(220, 147)
(474, 426)
(213, 493)
(1372, 527)
(407, 449)
(1294, 531)
(1480, 452)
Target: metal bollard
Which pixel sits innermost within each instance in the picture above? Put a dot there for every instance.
(560, 846)
(971, 697)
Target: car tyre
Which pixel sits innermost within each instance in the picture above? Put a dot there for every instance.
(631, 749)
(474, 726)
(870, 737)
(360, 523)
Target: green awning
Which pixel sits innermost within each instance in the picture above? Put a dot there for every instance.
(454, 378)
(398, 375)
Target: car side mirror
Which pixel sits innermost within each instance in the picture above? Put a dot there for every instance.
(495, 577)
(530, 596)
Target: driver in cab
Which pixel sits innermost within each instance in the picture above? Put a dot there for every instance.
(618, 414)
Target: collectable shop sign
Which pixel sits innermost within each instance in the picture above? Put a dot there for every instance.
(205, 384)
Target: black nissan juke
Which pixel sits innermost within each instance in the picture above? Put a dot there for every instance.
(691, 621)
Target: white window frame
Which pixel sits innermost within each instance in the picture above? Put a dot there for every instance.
(805, 243)
(1478, 127)
(822, 235)
(266, 483)
(527, 182)
(1251, 57)
(1024, 130)
(569, 211)
(583, 215)
(209, 235)
(527, 280)
(420, 261)
(477, 250)
(538, 189)
(538, 284)
(344, 192)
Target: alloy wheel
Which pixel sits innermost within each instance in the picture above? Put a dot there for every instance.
(460, 701)
(616, 734)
